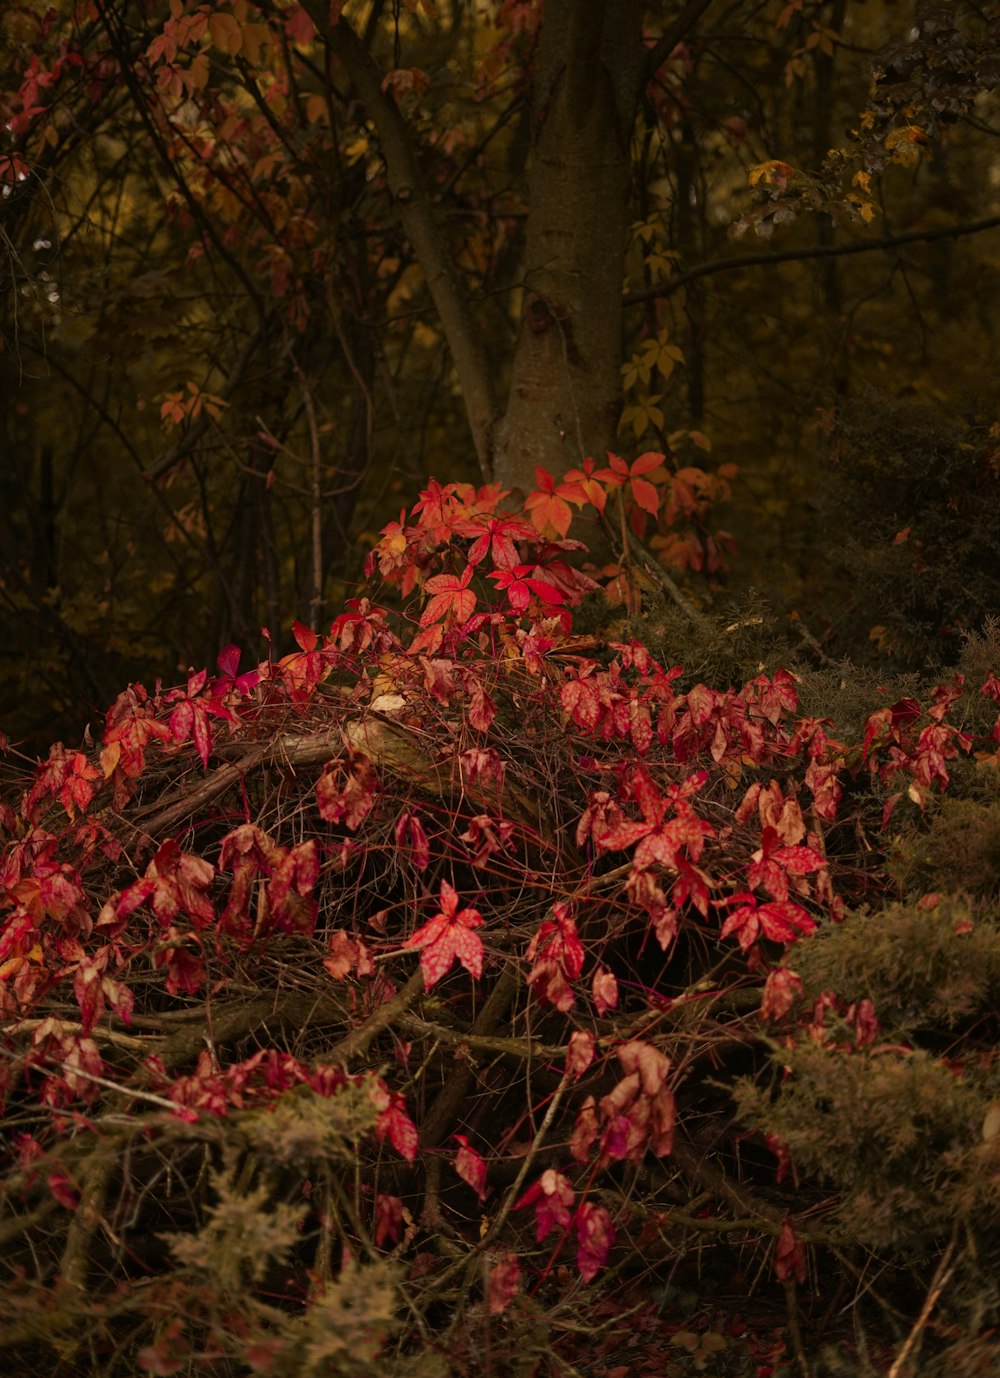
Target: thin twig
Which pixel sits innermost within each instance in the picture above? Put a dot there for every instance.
(864, 246)
(940, 1280)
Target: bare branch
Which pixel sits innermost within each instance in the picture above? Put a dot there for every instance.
(677, 32)
(861, 246)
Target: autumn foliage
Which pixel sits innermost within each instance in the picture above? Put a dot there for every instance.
(384, 1004)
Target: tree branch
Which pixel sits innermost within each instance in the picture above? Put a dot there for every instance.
(863, 246)
(413, 204)
(677, 32)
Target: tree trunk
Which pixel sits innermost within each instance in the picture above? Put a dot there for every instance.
(565, 394)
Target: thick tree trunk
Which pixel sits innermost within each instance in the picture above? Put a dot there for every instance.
(565, 394)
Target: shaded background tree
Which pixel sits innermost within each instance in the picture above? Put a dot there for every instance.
(266, 270)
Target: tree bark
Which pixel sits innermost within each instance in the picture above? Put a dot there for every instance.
(565, 393)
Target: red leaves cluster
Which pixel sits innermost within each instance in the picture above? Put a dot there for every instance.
(781, 922)
(638, 1114)
(174, 882)
(67, 776)
(894, 746)
(553, 1199)
(394, 1123)
(345, 792)
(670, 824)
(557, 956)
(407, 553)
(190, 719)
(130, 726)
(656, 773)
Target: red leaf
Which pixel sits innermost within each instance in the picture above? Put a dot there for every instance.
(646, 496)
(784, 923)
(580, 1053)
(453, 599)
(799, 861)
(600, 818)
(691, 886)
(595, 1235)
(299, 27)
(410, 834)
(294, 873)
(482, 709)
(651, 1065)
(552, 1197)
(395, 1124)
(789, 1256)
(447, 936)
(504, 1283)
(547, 504)
(351, 801)
(781, 990)
(347, 954)
(388, 1218)
(605, 990)
(470, 1166)
(185, 971)
(585, 1131)
(557, 939)
(646, 463)
(497, 535)
(580, 699)
(174, 881)
(305, 637)
(558, 956)
(824, 782)
(588, 483)
(63, 1189)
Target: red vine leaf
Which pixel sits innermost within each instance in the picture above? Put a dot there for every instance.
(450, 934)
(470, 1166)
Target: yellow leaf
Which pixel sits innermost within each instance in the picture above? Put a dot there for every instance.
(634, 417)
(110, 756)
(773, 173)
(356, 149)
